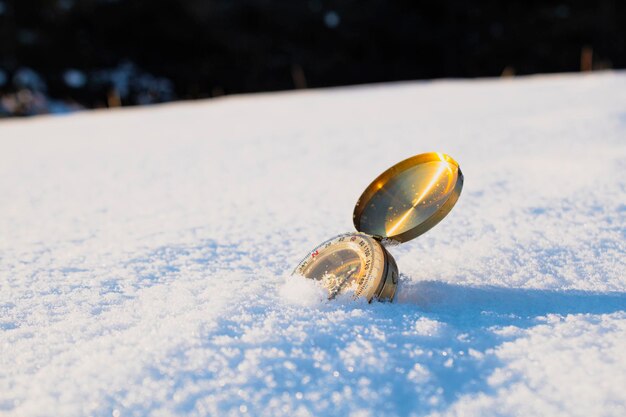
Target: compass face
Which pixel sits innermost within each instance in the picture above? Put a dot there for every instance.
(350, 263)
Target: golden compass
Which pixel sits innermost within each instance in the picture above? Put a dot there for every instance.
(400, 204)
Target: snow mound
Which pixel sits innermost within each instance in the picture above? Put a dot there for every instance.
(298, 290)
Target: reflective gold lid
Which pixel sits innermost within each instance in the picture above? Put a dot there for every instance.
(409, 198)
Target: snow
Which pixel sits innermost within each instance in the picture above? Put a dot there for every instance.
(145, 255)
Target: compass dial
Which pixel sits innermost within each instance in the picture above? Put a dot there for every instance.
(352, 263)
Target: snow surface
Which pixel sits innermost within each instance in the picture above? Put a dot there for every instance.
(145, 256)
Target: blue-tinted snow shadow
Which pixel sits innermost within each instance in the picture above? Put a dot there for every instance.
(476, 311)
(489, 305)
(466, 318)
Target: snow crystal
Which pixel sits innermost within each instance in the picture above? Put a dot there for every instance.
(427, 327)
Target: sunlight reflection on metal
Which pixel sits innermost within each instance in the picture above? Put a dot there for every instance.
(426, 191)
(410, 197)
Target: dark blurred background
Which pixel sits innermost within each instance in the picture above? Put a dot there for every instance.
(61, 55)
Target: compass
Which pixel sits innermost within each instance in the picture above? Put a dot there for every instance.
(402, 203)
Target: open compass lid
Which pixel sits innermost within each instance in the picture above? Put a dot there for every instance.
(409, 198)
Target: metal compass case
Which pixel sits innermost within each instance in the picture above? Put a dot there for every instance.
(404, 202)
